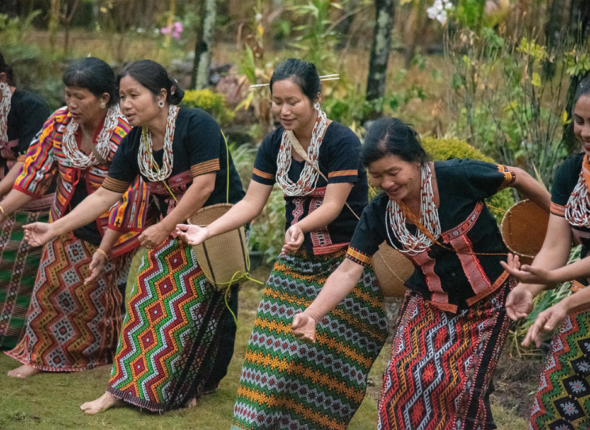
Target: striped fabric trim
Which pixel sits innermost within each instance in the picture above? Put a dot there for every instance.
(343, 173)
(497, 284)
(358, 257)
(509, 177)
(557, 209)
(205, 167)
(263, 174)
(115, 185)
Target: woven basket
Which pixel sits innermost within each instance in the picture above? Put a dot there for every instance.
(392, 270)
(222, 257)
(523, 229)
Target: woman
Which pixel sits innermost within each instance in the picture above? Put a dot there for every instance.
(76, 309)
(562, 400)
(22, 115)
(284, 383)
(168, 343)
(453, 322)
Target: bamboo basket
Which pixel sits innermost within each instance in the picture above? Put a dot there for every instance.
(224, 258)
(392, 270)
(523, 229)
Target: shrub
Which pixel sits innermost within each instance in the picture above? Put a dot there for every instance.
(444, 149)
(210, 101)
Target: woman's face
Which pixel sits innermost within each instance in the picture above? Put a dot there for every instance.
(396, 177)
(85, 106)
(138, 104)
(291, 106)
(582, 122)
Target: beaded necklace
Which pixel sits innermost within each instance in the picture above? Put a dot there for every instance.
(309, 175)
(4, 109)
(70, 147)
(396, 219)
(577, 210)
(145, 158)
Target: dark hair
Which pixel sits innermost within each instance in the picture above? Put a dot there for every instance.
(6, 68)
(155, 78)
(94, 75)
(391, 136)
(583, 89)
(304, 74)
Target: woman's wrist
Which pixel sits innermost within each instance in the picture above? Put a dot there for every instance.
(104, 253)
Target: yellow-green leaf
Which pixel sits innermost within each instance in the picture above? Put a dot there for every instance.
(536, 81)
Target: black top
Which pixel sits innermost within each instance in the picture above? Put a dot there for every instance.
(339, 161)
(448, 279)
(566, 179)
(88, 232)
(28, 112)
(199, 148)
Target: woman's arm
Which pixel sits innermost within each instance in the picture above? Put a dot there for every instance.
(244, 211)
(8, 181)
(531, 188)
(13, 202)
(91, 208)
(100, 256)
(336, 195)
(336, 288)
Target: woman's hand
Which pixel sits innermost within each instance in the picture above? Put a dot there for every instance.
(519, 302)
(153, 236)
(293, 239)
(303, 327)
(96, 268)
(192, 234)
(527, 274)
(547, 321)
(38, 233)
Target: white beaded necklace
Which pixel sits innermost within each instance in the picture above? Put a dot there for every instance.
(70, 147)
(145, 158)
(577, 210)
(4, 109)
(395, 219)
(309, 175)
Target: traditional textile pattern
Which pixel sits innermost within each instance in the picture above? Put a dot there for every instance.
(289, 384)
(167, 346)
(562, 401)
(441, 365)
(18, 267)
(72, 326)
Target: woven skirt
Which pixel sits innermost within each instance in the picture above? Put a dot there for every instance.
(562, 401)
(290, 384)
(72, 326)
(19, 263)
(168, 342)
(441, 365)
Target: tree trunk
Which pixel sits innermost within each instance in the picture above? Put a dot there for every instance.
(553, 35)
(384, 14)
(203, 49)
(53, 22)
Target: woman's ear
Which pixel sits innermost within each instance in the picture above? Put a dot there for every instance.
(3, 78)
(105, 98)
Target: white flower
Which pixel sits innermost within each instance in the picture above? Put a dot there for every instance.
(442, 17)
(432, 12)
(448, 5)
(139, 30)
(438, 4)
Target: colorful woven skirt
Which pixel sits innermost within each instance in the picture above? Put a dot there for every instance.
(287, 383)
(441, 365)
(562, 401)
(72, 326)
(18, 267)
(168, 342)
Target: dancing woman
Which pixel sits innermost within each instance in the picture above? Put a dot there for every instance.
(453, 322)
(22, 115)
(76, 309)
(168, 342)
(285, 383)
(563, 398)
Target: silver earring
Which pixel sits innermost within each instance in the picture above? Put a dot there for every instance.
(161, 103)
(103, 105)
(316, 106)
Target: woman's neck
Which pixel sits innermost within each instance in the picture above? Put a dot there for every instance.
(89, 127)
(305, 133)
(157, 125)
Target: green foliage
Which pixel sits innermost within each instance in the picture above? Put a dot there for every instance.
(445, 149)
(210, 101)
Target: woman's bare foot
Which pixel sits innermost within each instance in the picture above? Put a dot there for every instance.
(104, 402)
(191, 403)
(23, 372)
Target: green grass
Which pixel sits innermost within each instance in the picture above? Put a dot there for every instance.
(52, 401)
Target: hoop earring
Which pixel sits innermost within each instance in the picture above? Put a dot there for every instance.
(103, 105)
(161, 103)
(316, 106)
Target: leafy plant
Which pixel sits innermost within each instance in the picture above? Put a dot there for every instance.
(210, 101)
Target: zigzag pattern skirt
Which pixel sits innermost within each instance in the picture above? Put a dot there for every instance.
(441, 365)
(18, 267)
(289, 384)
(562, 401)
(168, 342)
(72, 326)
